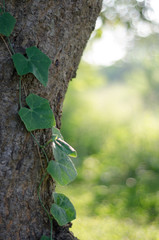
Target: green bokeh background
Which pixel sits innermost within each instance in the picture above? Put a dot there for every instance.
(111, 117)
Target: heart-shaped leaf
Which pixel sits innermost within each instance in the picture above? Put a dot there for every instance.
(62, 209)
(7, 23)
(37, 63)
(63, 171)
(65, 147)
(39, 116)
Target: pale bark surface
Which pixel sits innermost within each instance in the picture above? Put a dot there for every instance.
(61, 30)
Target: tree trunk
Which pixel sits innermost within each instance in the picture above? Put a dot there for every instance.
(60, 29)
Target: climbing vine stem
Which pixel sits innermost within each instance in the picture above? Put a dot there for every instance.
(40, 146)
(41, 202)
(20, 91)
(6, 44)
(40, 196)
(11, 47)
(50, 219)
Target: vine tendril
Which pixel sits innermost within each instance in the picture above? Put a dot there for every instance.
(39, 187)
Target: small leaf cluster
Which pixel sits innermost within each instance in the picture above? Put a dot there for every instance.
(62, 209)
(62, 169)
(38, 115)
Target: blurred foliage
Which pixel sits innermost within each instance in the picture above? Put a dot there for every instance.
(104, 227)
(140, 73)
(127, 13)
(79, 100)
(111, 118)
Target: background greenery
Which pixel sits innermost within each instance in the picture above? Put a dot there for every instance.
(111, 117)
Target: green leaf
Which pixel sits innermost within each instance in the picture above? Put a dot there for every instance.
(7, 23)
(44, 238)
(62, 209)
(37, 63)
(22, 64)
(65, 147)
(39, 116)
(62, 171)
(56, 132)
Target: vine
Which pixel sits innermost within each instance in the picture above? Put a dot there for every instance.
(38, 115)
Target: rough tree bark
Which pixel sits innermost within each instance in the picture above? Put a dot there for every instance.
(61, 30)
